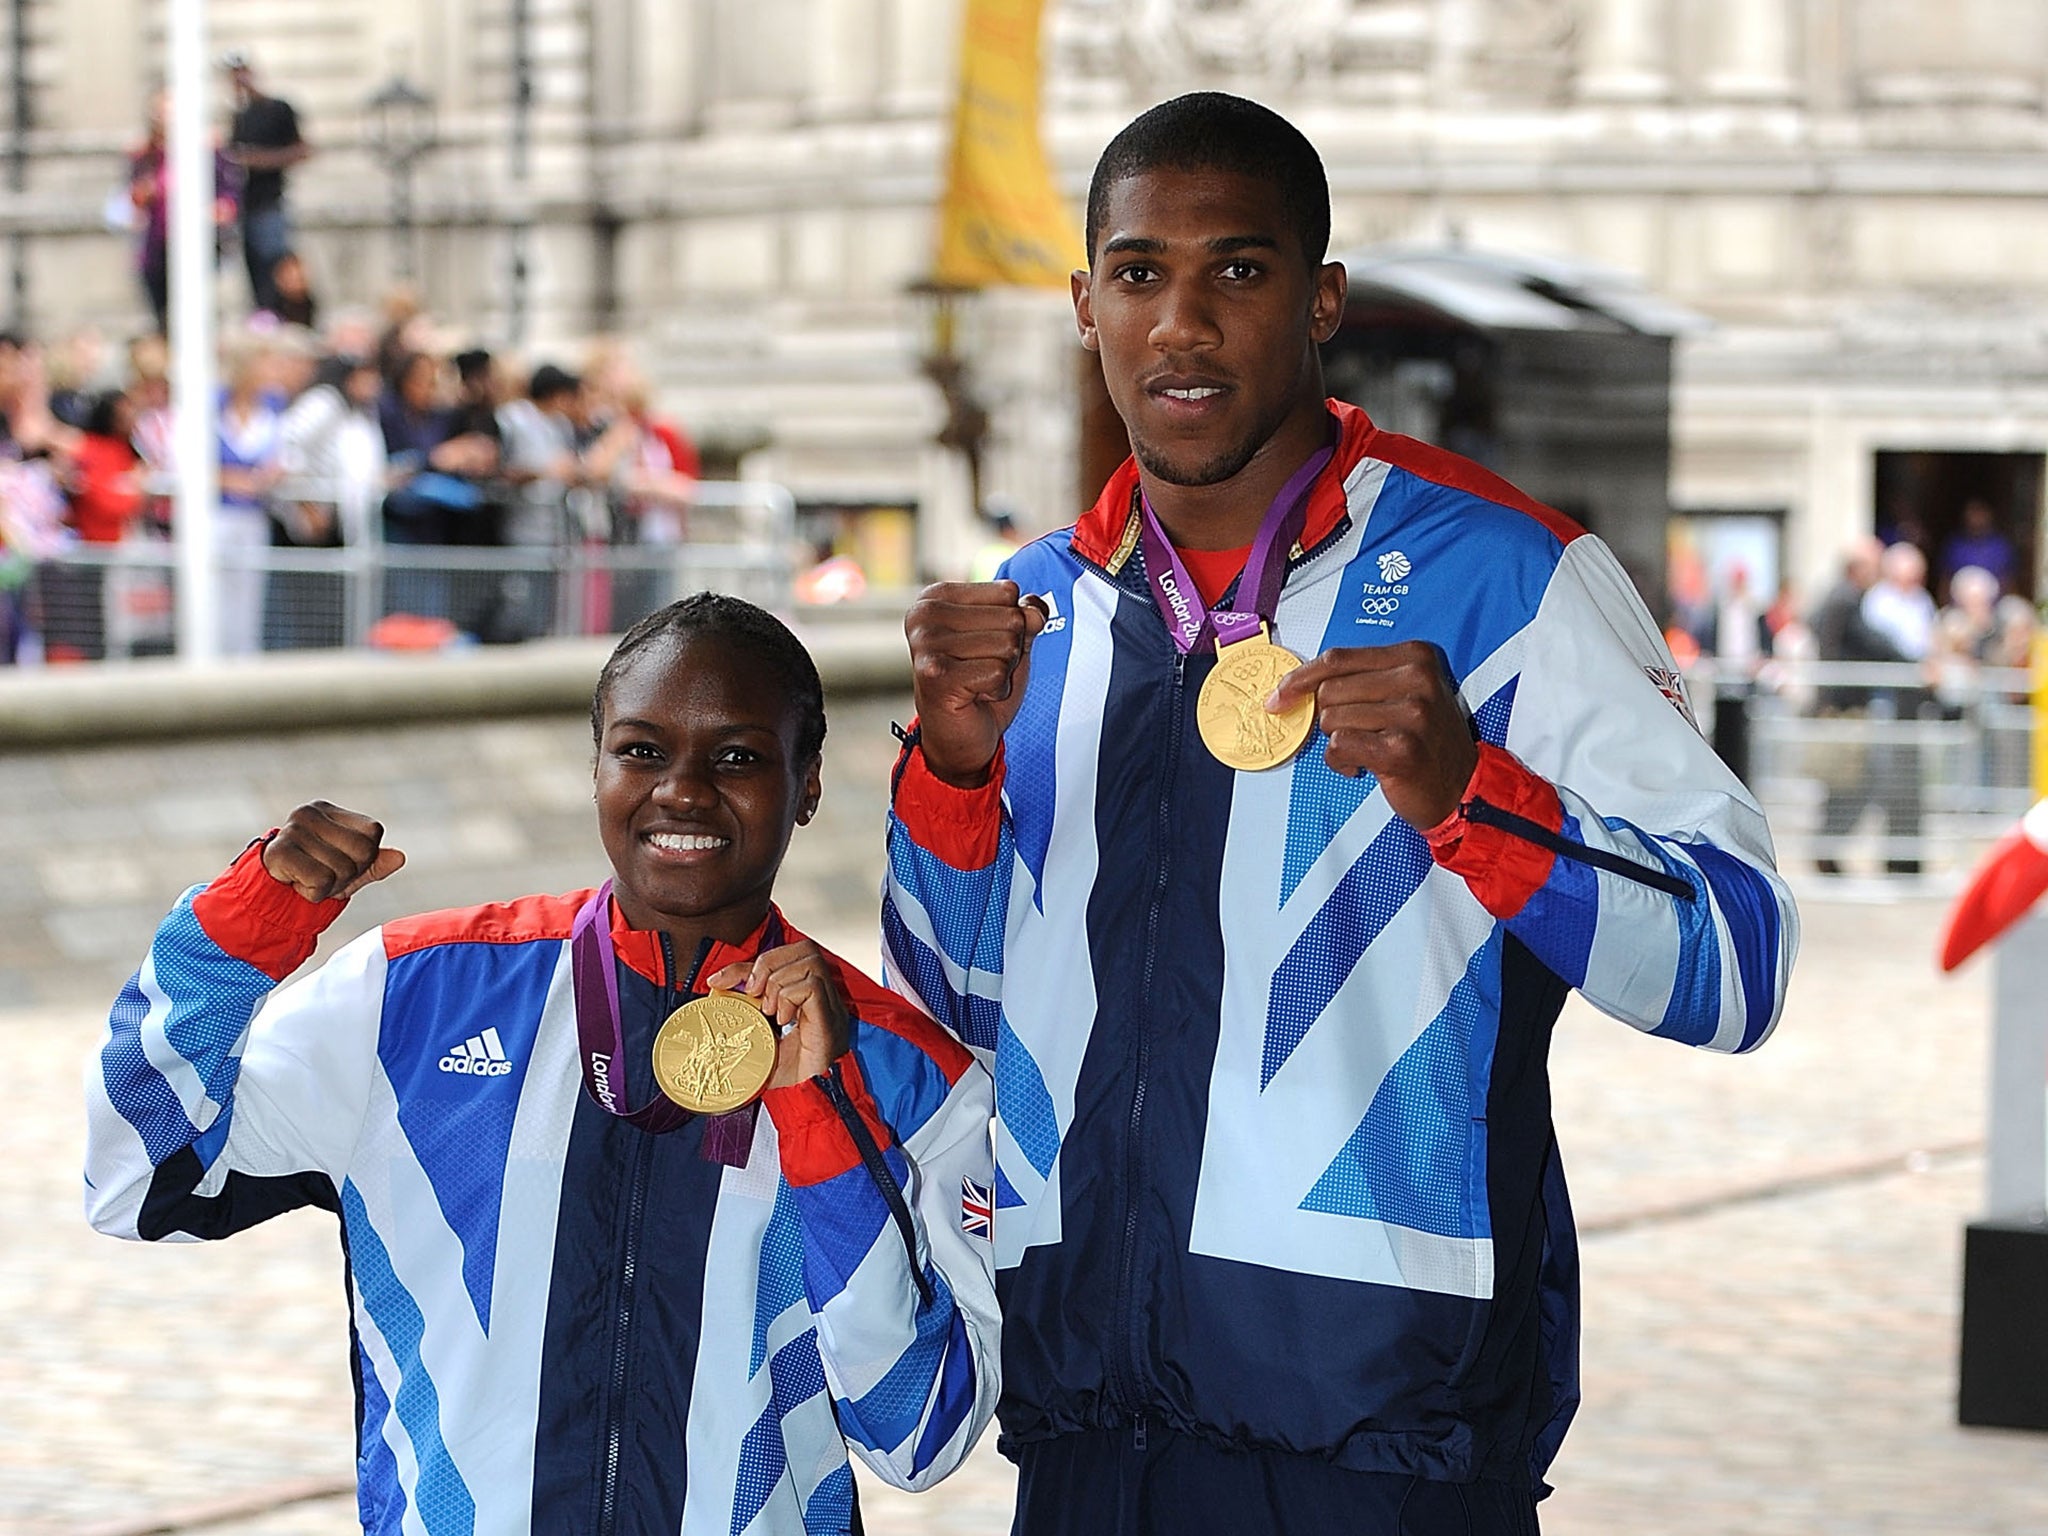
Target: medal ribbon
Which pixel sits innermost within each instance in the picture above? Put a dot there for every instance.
(1188, 619)
(601, 1038)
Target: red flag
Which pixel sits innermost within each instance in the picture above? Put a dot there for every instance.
(2013, 876)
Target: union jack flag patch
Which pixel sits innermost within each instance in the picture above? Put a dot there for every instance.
(975, 1209)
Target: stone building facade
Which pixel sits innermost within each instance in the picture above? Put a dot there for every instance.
(1851, 191)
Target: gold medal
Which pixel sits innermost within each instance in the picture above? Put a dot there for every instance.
(1231, 709)
(714, 1053)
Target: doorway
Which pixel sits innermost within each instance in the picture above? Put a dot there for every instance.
(1964, 509)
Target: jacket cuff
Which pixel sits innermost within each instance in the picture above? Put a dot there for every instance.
(815, 1143)
(1502, 870)
(254, 916)
(961, 827)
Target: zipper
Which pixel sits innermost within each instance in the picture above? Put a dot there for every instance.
(834, 1086)
(629, 1264)
(1131, 1367)
(622, 1329)
(1485, 814)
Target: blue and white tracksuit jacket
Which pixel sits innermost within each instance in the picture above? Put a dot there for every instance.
(561, 1322)
(1275, 1165)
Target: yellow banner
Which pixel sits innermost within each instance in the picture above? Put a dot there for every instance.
(1002, 221)
(2040, 660)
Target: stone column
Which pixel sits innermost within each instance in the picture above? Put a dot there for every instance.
(852, 37)
(1754, 48)
(1627, 52)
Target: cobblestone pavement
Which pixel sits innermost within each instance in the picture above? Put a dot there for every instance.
(1755, 1363)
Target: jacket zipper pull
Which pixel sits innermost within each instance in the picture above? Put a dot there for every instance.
(1138, 1434)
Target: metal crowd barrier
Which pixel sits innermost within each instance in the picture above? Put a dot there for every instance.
(113, 602)
(1879, 769)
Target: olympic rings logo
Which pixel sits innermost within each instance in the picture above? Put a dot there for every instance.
(1381, 605)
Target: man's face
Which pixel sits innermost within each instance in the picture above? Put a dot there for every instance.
(699, 785)
(1206, 314)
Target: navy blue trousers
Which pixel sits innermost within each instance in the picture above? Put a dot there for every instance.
(1103, 1483)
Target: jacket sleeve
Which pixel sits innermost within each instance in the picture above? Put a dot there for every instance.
(216, 1101)
(902, 1291)
(1607, 836)
(946, 896)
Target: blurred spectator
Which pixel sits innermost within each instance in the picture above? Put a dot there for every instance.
(1979, 542)
(1004, 540)
(332, 453)
(1842, 633)
(75, 367)
(539, 432)
(405, 321)
(32, 531)
(542, 464)
(293, 290)
(150, 388)
(474, 417)
(264, 140)
(2017, 624)
(333, 449)
(1968, 627)
(434, 472)
(1781, 618)
(105, 497)
(659, 473)
(248, 433)
(149, 181)
(1738, 625)
(1900, 607)
(352, 332)
(105, 480)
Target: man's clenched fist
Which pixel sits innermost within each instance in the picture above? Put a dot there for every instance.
(970, 645)
(323, 851)
(1392, 711)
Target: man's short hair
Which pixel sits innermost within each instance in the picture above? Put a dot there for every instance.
(471, 364)
(550, 381)
(1209, 130)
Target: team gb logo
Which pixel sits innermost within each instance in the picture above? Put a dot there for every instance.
(1394, 565)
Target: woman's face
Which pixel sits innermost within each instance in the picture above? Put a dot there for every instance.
(417, 387)
(699, 785)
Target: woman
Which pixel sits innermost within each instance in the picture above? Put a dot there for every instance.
(105, 492)
(597, 1282)
(251, 445)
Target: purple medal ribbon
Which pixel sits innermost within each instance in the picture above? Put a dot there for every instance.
(601, 1042)
(1188, 619)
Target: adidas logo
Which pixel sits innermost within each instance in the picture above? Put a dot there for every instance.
(479, 1056)
(1055, 620)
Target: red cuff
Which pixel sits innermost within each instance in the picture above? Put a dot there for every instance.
(962, 827)
(1501, 869)
(254, 916)
(816, 1144)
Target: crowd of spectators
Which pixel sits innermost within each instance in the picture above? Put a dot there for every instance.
(379, 430)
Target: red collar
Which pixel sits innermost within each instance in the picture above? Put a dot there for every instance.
(1108, 531)
(640, 948)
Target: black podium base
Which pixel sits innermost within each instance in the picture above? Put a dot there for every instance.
(2005, 1325)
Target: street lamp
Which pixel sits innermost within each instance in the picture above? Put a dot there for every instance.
(399, 129)
(965, 429)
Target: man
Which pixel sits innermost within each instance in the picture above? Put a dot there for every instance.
(1842, 634)
(1281, 1232)
(1900, 612)
(265, 141)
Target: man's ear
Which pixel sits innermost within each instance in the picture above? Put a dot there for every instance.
(1084, 309)
(1326, 306)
